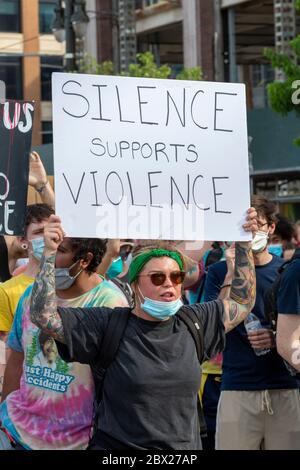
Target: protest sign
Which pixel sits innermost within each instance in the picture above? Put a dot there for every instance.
(145, 158)
(15, 137)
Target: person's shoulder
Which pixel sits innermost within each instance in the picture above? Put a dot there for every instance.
(204, 307)
(277, 261)
(27, 293)
(293, 268)
(112, 294)
(218, 268)
(16, 281)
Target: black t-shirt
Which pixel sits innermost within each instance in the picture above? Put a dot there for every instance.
(242, 369)
(288, 298)
(150, 389)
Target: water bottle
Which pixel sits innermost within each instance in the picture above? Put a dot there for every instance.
(253, 323)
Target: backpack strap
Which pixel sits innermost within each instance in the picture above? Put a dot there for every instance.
(125, 288)
(191, 321)
(189, 318)
(110, 344)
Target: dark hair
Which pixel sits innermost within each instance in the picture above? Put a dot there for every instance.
(83, 246)
(265, 208)
(285, 229)
(43, 338)
(290, 246)
(37, 213)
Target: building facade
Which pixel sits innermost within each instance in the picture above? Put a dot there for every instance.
(227, 39)
(29, 54)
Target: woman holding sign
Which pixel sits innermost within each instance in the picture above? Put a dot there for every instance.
(149, 397)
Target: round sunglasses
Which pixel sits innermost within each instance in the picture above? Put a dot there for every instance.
(158, 278)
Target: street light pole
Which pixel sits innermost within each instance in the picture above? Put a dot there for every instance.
(70, 23)
(70, 61)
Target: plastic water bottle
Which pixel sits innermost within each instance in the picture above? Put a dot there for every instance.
(252, 323)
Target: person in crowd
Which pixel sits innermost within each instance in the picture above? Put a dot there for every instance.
(157, 408)
(288, 307)
(289, 250)
(259, 405)
(283, 235)
(11, 290)
(48, 404)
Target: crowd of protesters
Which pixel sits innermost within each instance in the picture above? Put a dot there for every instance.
(60, 296)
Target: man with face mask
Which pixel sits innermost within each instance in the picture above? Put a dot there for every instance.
(259, 405)
(12, 289)
(49, 405)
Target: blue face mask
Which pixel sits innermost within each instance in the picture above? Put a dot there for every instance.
(276, 249)
(159, 309)
(115, 268)
(38, 245)
(63, 278)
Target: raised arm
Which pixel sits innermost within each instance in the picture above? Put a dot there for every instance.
(39, 181)
(43, 307)
(243, 290)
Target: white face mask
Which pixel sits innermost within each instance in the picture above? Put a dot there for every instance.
(260, 241)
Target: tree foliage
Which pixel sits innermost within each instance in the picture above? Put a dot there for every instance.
(280, 94)
(145, 66)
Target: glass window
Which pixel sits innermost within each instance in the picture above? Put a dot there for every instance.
(11, 74)
(47, 132)
(49, 64)
(10, 15)
(46, 15)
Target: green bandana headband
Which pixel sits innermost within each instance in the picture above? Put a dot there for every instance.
(139, 261)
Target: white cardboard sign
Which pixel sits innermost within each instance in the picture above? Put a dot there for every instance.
(145, 158)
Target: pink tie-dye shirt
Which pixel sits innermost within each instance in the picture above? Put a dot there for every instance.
(54, 405)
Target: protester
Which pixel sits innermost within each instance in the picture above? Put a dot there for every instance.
(11, 290)
(283, 235)
(289, 250)
(288, 306)
(259, 405)
(157, 408)
(48, 403)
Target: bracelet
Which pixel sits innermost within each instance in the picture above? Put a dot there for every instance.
(41, 187)
(225, 285)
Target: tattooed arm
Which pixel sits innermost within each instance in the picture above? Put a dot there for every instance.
(43, 308)
(243, 289)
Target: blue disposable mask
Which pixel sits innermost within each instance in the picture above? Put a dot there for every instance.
(38, 245)
(115, 268)
(276, 249)
(159, 309)
(63, 279)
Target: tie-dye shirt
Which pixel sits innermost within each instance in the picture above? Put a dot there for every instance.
(53, 407)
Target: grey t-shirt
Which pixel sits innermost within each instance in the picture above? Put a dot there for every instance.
(150, 389)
